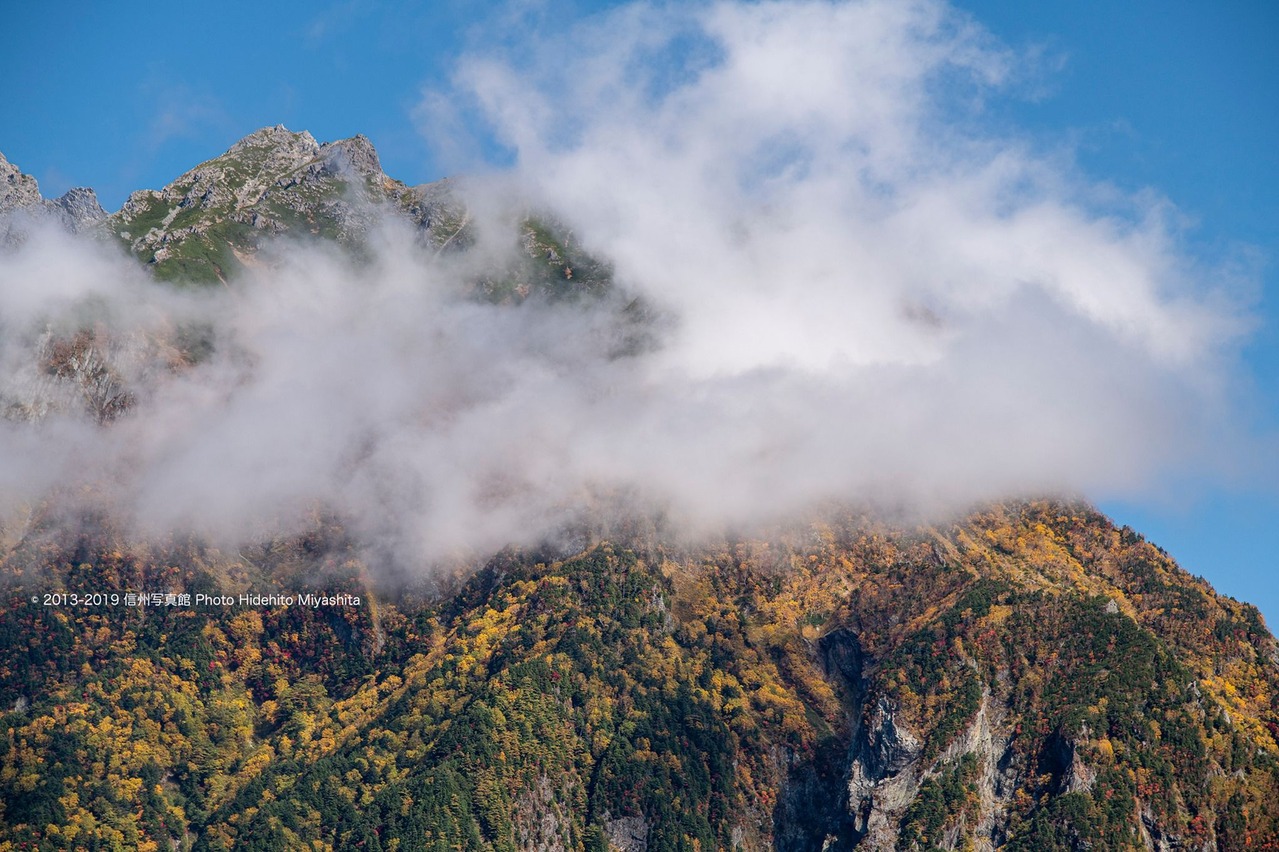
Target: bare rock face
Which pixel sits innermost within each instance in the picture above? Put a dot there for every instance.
(79, 208)
(541, 817)
(275, 148)
(91, 371)
(17, 190)
(354, 156)
(881, 782)
(627, 834)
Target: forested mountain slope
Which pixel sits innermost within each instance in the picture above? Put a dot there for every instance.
(1029, 675)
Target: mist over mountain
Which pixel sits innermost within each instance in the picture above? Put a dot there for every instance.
(460, 366)
(391, 464)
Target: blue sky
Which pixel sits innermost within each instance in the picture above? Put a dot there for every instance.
(1179, 97)
(1182, 97)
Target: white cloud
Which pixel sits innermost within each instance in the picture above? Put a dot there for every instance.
(869, 299)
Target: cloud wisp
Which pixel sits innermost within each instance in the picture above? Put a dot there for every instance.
(866, 297)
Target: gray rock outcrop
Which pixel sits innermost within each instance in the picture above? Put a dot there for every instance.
(17, 190)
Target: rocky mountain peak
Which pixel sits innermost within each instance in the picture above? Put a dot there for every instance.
(278, 138)
(16, 189)
(207, 222)
(80, 207)
(355, 155)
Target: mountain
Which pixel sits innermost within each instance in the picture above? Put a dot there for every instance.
(1024, 674)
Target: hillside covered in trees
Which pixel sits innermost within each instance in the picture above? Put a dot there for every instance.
(1028, 675)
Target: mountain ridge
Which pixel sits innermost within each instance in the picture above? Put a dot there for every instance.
(270, 182)
(200, 226)
(204, 226)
